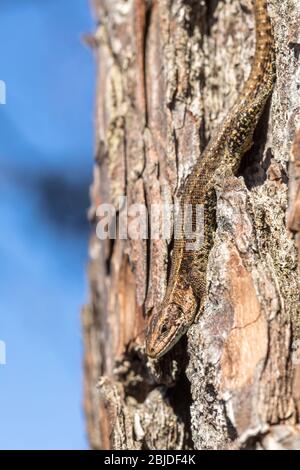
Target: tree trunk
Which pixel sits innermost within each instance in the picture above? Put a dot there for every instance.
(168, 72)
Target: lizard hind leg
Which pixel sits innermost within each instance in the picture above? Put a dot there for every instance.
(200, 310)
(198, 282)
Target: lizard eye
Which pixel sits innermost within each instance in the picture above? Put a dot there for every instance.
(164, 329)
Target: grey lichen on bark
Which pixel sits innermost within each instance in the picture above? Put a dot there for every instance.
(234, 380)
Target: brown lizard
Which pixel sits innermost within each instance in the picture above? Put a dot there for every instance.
(186, 288)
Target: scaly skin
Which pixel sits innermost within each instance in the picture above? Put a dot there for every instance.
(186, 288)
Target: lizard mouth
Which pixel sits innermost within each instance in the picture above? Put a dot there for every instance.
(156, 350)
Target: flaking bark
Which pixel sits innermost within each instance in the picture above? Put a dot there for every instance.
(234, 380)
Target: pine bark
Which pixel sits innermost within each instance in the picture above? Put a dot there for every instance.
(168, 72)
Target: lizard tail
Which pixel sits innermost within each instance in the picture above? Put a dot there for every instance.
(263, 66)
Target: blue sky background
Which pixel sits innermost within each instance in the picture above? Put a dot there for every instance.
(46, 148)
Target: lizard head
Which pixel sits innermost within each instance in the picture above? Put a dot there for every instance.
(167, 325)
